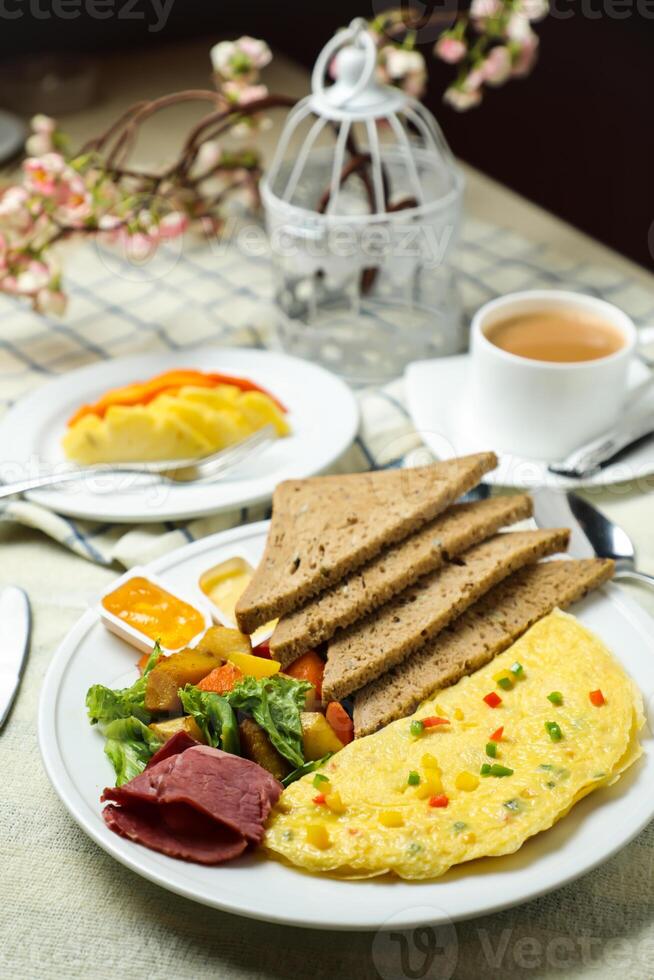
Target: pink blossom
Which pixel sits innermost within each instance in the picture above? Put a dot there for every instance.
(41, 173)
(109, 222)
(244, 94)
(173, 224)
(525, 59)
(43, 124)
(208, 156)
(38, 144)
(461, 98)
(139, 246)
(496, 67)
(534, 9)
(450, 49)
(518, 29)
(3, 252)
(14, 212)
(33, 278)
(9, 284)
(51, 301)
(256, 50)
(482, 10)
(242, 58)
(400, 62)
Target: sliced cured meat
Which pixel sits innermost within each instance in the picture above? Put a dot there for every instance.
(176, 830)
(179, 742)
(200, 804)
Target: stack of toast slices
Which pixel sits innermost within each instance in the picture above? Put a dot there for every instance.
(402, 588)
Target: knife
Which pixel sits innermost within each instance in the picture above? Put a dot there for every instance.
(15, 629)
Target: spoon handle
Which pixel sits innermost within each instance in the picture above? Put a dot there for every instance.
(633, 573)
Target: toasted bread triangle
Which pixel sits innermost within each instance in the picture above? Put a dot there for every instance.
(324, 527)
(491, 625)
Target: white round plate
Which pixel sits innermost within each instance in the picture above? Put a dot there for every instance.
(440, 410)
(262, 888)
(323, 415)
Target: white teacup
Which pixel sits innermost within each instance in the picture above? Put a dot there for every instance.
(545, 409)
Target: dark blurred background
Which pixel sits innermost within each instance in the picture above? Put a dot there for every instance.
(576, 136)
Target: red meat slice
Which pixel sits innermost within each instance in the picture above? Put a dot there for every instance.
(200, 805)
(179, 742)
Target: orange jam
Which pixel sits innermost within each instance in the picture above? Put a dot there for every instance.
(154, 612)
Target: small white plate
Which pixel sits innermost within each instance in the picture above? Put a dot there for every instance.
(440, 408)
(262, 888)
(323, 415)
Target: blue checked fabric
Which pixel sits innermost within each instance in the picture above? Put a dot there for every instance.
(191, 294)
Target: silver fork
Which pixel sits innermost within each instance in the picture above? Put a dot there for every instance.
(203, 470)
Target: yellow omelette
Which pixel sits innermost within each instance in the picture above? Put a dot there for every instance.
(473, 780)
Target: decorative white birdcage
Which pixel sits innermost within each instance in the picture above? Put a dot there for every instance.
(363, 203)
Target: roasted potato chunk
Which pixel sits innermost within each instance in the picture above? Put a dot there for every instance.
(171, 673)
(166, 729)
(318, 736)
(256, 746)
(221, 641)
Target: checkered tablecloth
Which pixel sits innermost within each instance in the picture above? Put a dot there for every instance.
(191, 294)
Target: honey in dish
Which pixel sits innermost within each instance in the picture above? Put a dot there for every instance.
(563, 337)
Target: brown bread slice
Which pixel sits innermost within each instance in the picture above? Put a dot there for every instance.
(387, 637)
(324, 527)
(486, 629)
(397, 567)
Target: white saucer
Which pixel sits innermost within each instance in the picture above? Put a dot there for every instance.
(440, 410)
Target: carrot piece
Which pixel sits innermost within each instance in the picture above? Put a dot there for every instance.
(340, 721)
(309, 667)
(221, 679)
(143, 662)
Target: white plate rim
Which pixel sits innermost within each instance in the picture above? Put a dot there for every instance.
(102, 507)
(454, 428)
(136, 857)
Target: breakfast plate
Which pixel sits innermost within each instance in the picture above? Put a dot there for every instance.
(265, 889)
(322, 413)
(441, 413)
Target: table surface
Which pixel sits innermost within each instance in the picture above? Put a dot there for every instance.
(595, 926)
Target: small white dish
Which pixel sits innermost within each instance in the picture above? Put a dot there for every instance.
(441, 410)
(130, 634)
(322, 412)
(265, 889)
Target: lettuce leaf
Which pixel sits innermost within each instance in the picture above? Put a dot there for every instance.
(275, 703)
(214, 716)
(105, 704)
(122, 718)
(129, 745)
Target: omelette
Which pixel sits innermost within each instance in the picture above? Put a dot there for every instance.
(479, 768)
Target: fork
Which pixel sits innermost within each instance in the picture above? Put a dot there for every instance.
(203, 470)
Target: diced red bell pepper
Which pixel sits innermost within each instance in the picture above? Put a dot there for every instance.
(439, 801)
(497, 734)
(597, 698)
(262, 650)
(319, 800)
(492, 699)
(431, 721)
